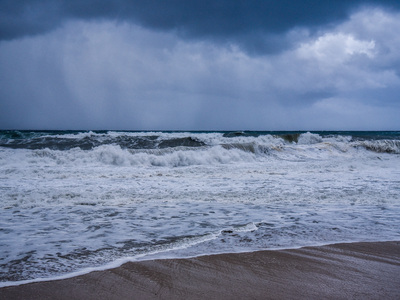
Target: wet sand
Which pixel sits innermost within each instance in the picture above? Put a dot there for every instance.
(340, 271)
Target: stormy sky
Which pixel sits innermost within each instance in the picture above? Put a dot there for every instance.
(200, 65)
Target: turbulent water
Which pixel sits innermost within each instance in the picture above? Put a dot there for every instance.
(76, 200)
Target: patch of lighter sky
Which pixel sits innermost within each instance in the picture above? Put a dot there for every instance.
(333, 48)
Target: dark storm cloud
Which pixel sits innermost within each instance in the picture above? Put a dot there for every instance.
(190, 65)
(256, 25)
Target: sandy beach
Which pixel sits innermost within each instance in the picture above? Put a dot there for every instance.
(339, 271)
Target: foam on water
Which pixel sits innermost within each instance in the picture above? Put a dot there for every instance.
(64, 211)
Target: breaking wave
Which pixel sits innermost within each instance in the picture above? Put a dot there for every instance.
(77, 200)
(380, 146)
(179, 149)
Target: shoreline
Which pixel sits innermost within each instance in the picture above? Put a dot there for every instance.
(362, 270)
(155, 257)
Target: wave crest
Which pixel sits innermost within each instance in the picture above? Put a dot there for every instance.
(381, 146)
(309, 138)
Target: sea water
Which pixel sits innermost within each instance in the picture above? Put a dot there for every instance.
(73, 201)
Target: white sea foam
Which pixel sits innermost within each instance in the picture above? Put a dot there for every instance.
(69, 210)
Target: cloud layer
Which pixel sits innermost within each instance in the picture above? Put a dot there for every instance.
(92, 72)
(255, 25)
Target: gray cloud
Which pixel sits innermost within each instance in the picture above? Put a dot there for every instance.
(96, 73)
(256, 26)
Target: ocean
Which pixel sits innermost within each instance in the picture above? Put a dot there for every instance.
(75, 201)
